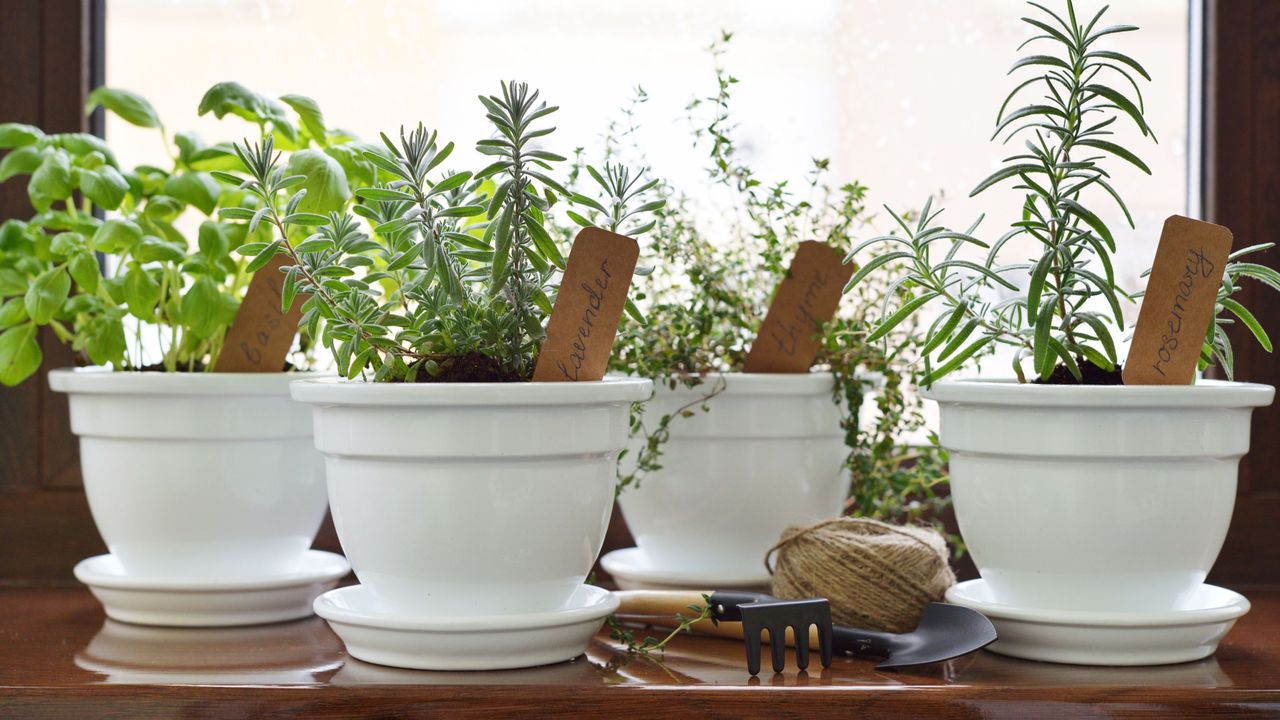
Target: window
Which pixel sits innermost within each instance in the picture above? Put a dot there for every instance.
(901, 95)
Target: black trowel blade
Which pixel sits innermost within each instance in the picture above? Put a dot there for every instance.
(944, 632)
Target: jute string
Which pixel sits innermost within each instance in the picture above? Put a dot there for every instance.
(877, 576)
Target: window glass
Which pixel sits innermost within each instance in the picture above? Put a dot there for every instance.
(899, 94)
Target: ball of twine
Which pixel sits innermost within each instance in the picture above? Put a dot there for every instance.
(876, 575)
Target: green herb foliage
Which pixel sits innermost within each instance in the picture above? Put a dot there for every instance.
(684, 623)
(438, 275)
(166, 278)
(1217, 348)
(1061, 306)
(711, 286)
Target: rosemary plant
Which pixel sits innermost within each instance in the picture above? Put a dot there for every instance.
(1217, 349)
(1062, 307)
(162, 300)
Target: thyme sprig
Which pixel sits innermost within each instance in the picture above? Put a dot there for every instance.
(719, 261)
(684, 624)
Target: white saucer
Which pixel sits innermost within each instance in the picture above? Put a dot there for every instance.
(631, 570)
(1107, 638)
(210, 602)
(478, 642)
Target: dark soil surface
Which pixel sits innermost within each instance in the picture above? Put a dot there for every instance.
(198, 368)
(1091, 374)
(469, 368)
(159, 367)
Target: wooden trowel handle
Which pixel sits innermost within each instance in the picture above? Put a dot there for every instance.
(659, 607)
(658, 603)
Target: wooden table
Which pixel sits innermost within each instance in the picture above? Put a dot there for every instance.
(60, 658)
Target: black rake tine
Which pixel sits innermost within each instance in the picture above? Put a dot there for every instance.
(824, 634)
(802, 644)
(778, 646)
(751, 633)
(779, 616)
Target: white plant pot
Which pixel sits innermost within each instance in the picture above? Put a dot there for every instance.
(768, 452)
(197, 474)
(1113, 498)
(471, 498)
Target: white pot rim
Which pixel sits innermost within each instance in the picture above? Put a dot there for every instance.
(1009, 392)
(336, 391)
(808, 383)
(105, 381)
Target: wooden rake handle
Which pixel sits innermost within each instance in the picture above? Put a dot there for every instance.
(659, 607)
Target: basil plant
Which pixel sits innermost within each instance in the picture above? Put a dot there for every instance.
(131, 266)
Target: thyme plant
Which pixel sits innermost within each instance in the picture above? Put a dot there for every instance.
(718, 263)
(684, 624)
(165, 296)
(1062, 306)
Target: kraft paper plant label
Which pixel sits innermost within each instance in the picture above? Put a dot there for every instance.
(262, 334)
(807, 298)
(584, 320)
(1179, 303)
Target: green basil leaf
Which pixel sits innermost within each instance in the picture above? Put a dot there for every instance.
(51, 181)
(47, 294)
(105, 187)
(141, 293)
(238, 100)
(215, 157)
(14, 135)
(360, 172)
(66, 244)
(154, 249)
(309, 112)
(326, 182)
(12, 312)
(81, 144)
(212, 239)
(105, 343)
(162, 208)
(85, 271)
(20, 354)
(116, 236)
(130, 106)
(195, 188)
(201, 308)
(22, 161)
(12, 282)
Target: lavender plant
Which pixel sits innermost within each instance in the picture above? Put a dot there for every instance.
(437, 275)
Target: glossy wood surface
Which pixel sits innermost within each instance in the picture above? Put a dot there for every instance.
(59, 658)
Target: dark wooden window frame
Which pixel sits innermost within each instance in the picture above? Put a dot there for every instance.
(52, 52)
(1241, 181)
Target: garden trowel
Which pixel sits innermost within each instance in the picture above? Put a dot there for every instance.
(944, 631)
